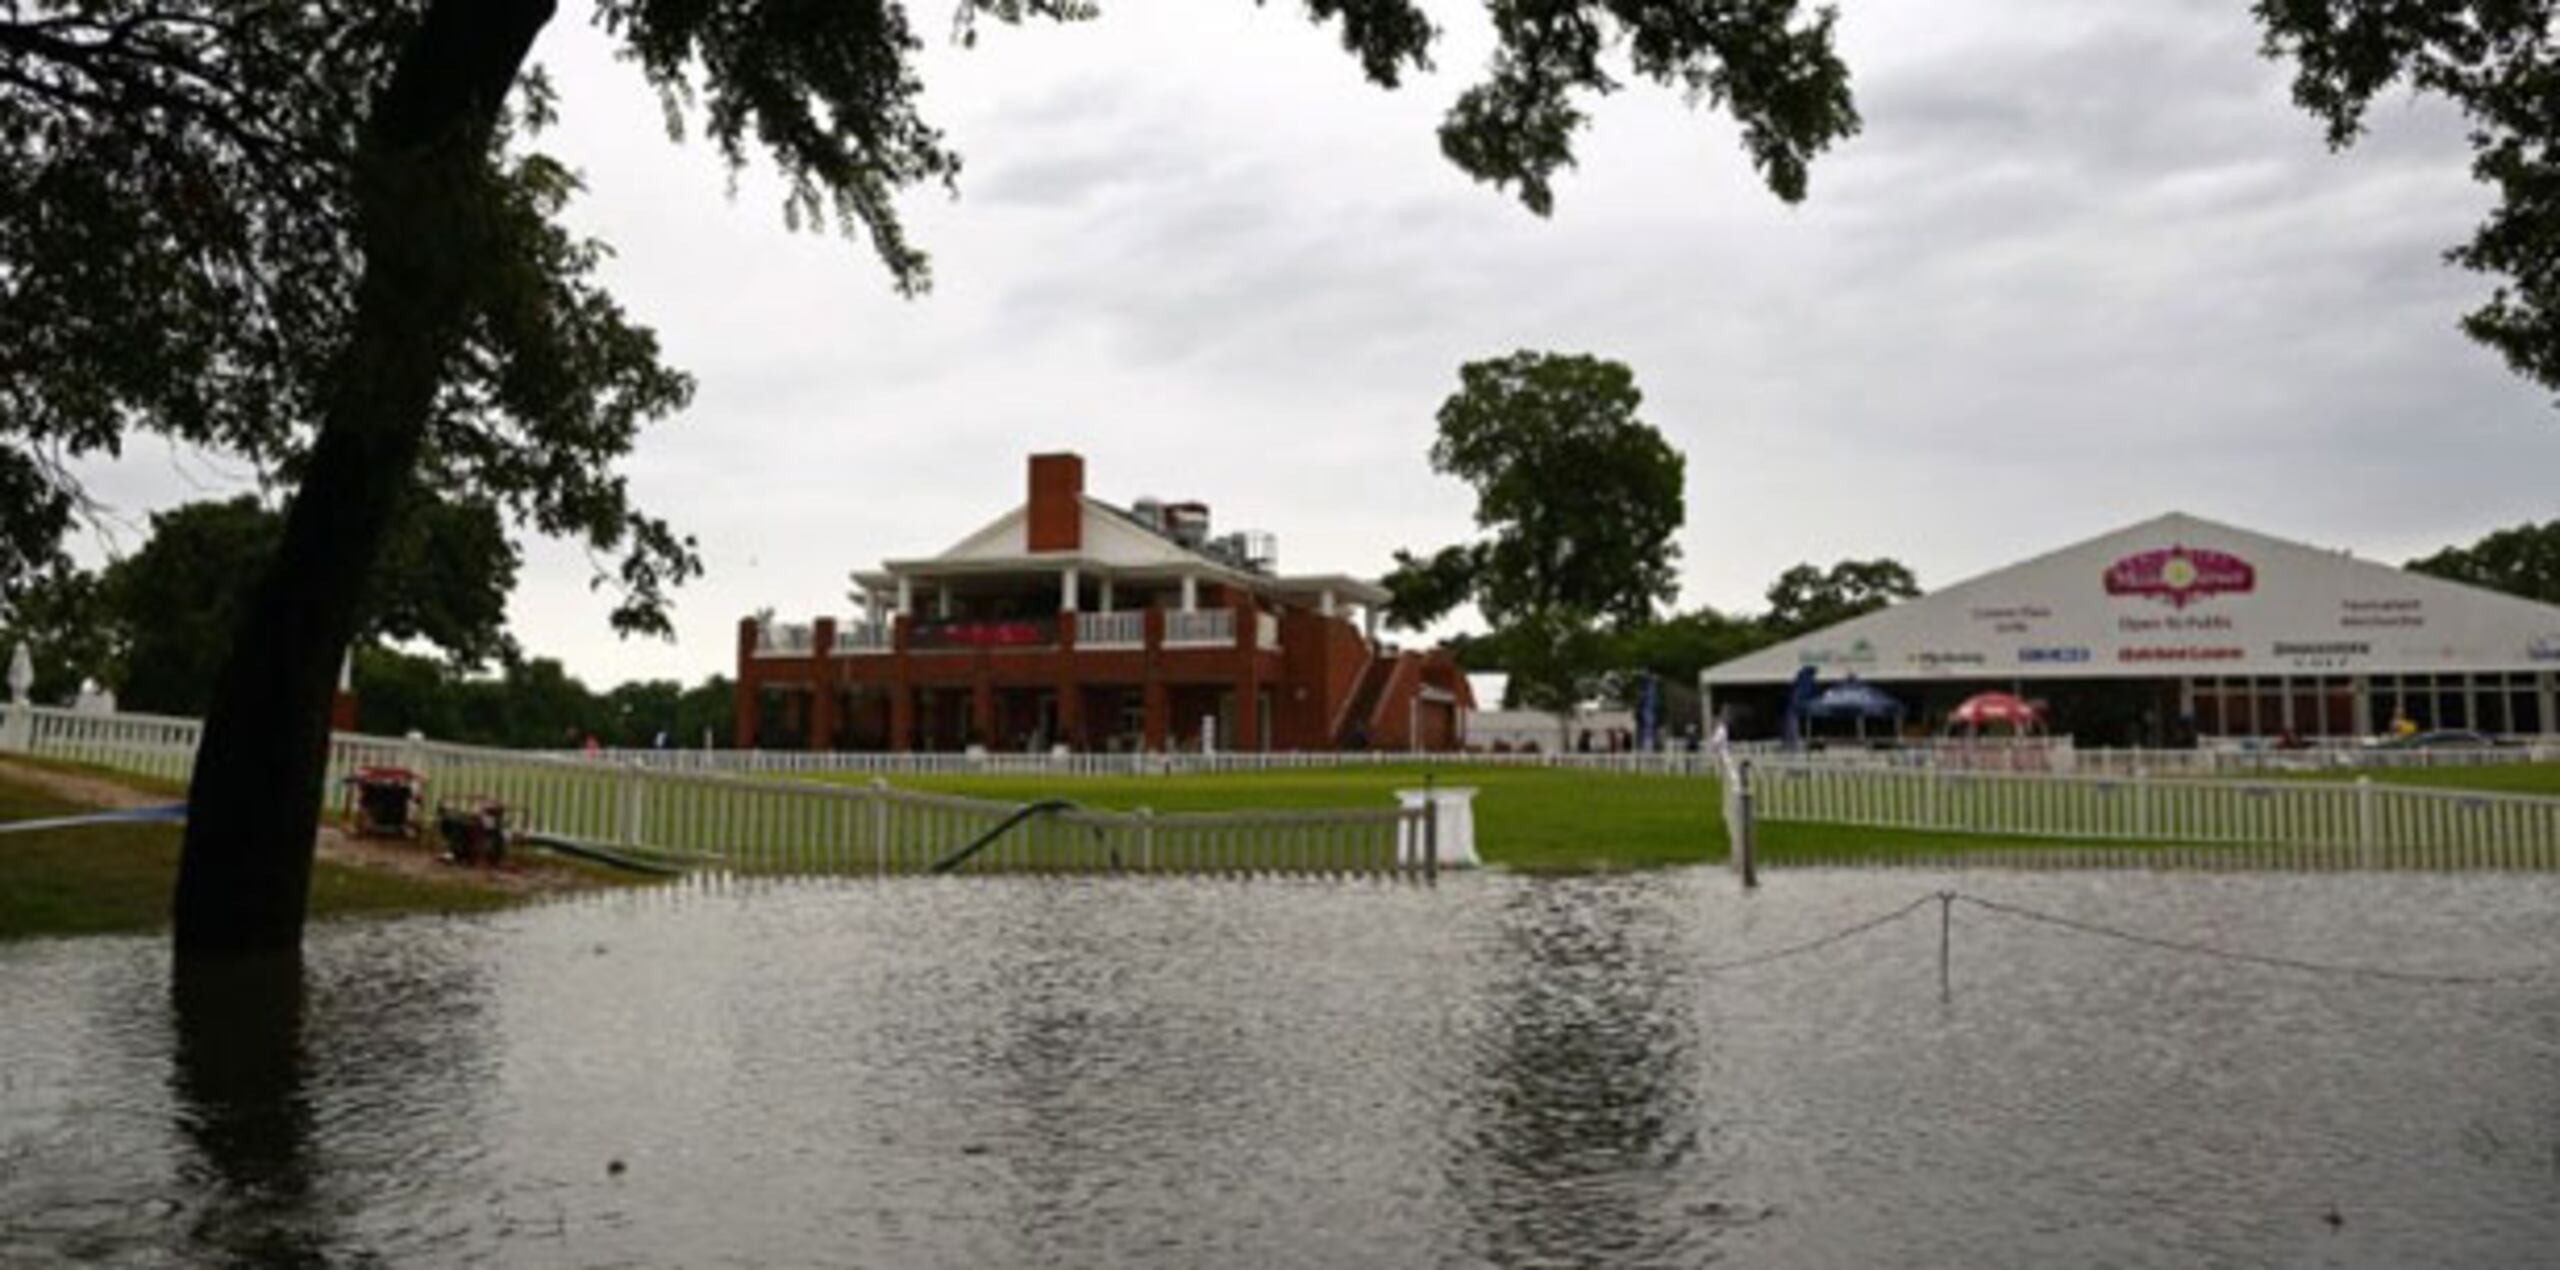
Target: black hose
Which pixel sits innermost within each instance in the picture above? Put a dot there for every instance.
(583, 851)
(961, 856)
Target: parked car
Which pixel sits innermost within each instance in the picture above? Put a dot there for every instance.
(2445, 739)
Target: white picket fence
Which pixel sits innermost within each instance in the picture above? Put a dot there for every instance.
(2357, 823)
(1987, 758)
(723, 821)
(1127, 763)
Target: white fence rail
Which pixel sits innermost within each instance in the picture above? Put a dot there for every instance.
(1124, 763)
(1200, 628)
(1126, 628)
(2373, 825)
(717, 820)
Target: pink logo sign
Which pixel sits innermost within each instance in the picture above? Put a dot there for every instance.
(2180, 576)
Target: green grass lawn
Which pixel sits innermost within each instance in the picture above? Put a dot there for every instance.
(1542, 819)
(118, 877)
(2503, 778)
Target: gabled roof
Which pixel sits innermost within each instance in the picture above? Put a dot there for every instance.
(2172, 596)
(1114, 542)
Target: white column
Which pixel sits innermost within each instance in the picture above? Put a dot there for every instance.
(942, 599)
(906, 595)
(1369, 621)
(2550, 699)
(1325, 602)
(1067, 590)
(1106, 593)
(1190, 593)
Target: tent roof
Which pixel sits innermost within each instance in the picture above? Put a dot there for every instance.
(2173, 596)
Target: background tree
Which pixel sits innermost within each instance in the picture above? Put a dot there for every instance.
(2523, 561)
(170, 608)
(1806, 598)
(1423, 589)
(299, 232)
(60, 616)
(1576, 502)
(2499, 62)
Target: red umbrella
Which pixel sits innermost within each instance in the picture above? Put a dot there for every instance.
(1986, 708)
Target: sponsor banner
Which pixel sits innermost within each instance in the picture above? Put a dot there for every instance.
(2176, 622)
(2544, 648)
(2180, 576)
(1859, 653)
(2053, 656)
(2179, 653)
(978, 634)
(2323, 648)
(1939, 660)
(2009, 618)
(2368, 614)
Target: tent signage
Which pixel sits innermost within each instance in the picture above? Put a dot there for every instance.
(2179, 576)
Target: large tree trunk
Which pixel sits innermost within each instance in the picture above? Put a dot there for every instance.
(253, 807)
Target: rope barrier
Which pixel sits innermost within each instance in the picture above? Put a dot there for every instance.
(1841, 935)
(1948, 899)
(2206, 950)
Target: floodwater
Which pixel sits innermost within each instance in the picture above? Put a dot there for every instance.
(1497, 1071)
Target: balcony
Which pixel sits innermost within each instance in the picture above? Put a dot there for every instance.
(784, 639)
(968, 635)
(864, 639)
(1202, 628)
(1111, 630)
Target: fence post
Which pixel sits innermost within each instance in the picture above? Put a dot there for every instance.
(2141, 803)
(1146, 840)
(880, 825)
(1430, 830)
(413, 752)
(629, 821)
(2368, 834)
(1746, 827)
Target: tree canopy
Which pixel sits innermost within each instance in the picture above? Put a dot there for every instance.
(1577, 500)
(179, 254)
(2498, 61)
(1807, 598)
(2522, 561)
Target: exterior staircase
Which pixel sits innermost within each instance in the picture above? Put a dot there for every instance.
(1356, 723)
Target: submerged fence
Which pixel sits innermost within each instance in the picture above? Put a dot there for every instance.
(2292, 823)
(720, 821)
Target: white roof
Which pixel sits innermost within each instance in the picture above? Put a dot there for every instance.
(2171, 597)
(1111, 544)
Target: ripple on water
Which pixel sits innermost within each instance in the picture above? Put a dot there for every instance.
(1499, 1070)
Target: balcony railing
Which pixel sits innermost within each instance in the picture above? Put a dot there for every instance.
(783, 639)
(971, 634)
(864, 638)
(1200, 628)
(1111, 630)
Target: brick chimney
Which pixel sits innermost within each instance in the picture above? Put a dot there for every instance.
(1057, 502)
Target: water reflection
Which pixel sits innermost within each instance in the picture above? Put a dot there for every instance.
(1499, 1071)
(1588, 1131)
(243, 1104)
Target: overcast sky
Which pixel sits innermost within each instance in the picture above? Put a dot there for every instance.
(2086, 264)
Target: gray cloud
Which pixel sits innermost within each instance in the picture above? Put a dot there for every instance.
(2086, 264)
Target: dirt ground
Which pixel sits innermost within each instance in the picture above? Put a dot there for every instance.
(521, 875)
